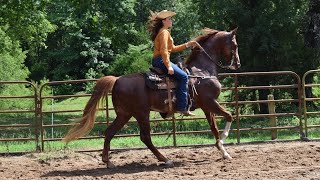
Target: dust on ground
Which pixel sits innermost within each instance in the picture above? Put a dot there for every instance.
(286, 160)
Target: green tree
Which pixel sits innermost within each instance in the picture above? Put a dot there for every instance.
(26, 23)
(77, 44)
(12, 69)
(12, 58)
(136, 59)
(89, 35)
(312, 36)
(270, 35)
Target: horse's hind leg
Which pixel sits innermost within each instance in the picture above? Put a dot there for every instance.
(112, 129)
(214, 128)
(144, 125)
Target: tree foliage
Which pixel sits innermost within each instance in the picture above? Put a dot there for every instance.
(27, 23)
(12, 69)
(136, 59)
(12, 58)
(75, 39)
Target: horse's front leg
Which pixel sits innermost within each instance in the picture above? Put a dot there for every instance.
(225, 132)
(214, 128)
(215, 107)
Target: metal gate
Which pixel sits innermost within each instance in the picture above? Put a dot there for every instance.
(308, 110)
(13, 129)
(47, 118)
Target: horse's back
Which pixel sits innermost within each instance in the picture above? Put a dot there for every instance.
(131, 94)
(129, 86)
(130, 81)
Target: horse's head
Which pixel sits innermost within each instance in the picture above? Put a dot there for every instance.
(216, 43)
(230, 50)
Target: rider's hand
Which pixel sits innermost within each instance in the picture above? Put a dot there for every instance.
(191, 44)
(170, 70)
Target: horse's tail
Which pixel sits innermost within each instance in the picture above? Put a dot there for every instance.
(86, 123)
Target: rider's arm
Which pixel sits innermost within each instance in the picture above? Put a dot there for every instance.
(178, 48)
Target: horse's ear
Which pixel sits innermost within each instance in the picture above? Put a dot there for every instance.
(234, 31)
(208, 31)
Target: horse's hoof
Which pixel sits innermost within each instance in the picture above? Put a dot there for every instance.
(110, 165)
(227, 156)
(168, 163)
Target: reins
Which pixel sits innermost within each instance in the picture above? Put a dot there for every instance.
(217, 63)
(202, 77)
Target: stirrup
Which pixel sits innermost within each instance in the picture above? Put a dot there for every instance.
(186, 113)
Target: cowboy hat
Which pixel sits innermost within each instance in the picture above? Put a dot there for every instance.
(162, 14)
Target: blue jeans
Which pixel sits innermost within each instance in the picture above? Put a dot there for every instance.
(181, 77)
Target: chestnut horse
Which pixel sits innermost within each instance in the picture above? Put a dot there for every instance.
(131, 97)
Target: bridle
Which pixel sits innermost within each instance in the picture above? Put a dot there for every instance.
(219, 63)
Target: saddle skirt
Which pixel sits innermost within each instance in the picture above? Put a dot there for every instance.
(156, 79)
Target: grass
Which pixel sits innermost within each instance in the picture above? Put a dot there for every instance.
(6, 147)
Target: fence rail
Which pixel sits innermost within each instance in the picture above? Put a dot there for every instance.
(8, 123)
(306, 99)
(238, 104)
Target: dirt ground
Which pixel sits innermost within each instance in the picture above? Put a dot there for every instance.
(290, 160)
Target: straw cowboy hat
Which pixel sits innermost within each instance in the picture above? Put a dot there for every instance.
(162, 14)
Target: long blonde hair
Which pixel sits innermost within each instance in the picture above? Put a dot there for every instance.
(154, 25)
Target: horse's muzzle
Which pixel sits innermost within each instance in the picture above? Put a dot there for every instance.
(235, 66)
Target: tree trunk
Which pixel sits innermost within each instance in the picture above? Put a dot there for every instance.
(263, 95)
(312, 34)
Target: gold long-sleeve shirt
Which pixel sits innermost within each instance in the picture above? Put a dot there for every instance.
(164, 45)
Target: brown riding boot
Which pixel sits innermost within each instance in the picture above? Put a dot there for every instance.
(186, 113)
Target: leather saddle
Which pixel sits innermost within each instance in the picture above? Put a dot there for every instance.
(157, 79)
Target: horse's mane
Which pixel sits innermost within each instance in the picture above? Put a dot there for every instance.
(207, 32)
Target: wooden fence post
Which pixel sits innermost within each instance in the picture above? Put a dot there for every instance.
(273, 119)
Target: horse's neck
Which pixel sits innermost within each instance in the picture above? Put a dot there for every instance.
(202, 65)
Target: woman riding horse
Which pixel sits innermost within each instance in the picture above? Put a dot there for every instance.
(159, 27)
(132, 98)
